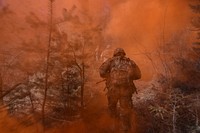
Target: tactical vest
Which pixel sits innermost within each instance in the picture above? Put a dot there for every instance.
(120, 71)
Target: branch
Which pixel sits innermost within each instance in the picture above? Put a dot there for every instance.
(7, 92)
(75, 57)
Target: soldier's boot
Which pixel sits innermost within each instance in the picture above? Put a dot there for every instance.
(113, 112)
(115, 118)
(125, 124)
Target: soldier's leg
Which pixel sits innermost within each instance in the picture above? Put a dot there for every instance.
(125, 112)
(112, 105)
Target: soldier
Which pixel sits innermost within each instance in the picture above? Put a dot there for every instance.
(119, 72)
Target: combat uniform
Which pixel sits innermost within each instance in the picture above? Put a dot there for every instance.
(120, 89)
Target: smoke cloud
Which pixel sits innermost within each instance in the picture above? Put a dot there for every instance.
(138, 26)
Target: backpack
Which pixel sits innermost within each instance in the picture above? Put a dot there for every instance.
(120, 71)
(135, 72)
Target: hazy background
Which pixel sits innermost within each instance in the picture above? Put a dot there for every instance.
(154, 33)
(138, 26)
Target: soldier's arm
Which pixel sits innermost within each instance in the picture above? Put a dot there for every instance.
(136, 73)
(104, 69)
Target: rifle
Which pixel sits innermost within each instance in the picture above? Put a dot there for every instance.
(100, 81)
(133, 86)
(136, 91)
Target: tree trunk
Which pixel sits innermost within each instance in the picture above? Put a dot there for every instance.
(174, 114)
(1, 90)
(174, 119)
(197, 115)
(47, 60)
(83, 84)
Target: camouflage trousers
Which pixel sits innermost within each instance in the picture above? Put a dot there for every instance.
(124, 96)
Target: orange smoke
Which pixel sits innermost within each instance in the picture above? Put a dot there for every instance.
(142, 26)
(138, 26)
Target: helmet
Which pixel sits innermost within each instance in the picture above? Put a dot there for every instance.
(119, 51)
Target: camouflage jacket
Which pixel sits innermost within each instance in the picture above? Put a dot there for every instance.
(134, 74)
(106, 67)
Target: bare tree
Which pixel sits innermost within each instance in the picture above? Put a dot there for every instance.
(48, 58)
(1, 90)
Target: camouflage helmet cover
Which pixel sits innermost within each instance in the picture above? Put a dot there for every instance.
(119, 51)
